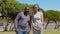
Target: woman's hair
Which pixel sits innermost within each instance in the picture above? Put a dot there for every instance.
(37, 5)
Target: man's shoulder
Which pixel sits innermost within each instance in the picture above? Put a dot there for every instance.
(20, 12)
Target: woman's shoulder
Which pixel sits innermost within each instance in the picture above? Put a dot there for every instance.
(40, 12)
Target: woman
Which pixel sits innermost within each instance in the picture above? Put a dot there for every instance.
(21, 22)
(37, 20)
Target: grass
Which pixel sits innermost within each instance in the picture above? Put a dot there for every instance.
(10, 32)
(46, 31)
(52, 31)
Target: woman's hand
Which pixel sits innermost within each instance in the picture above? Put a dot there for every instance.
(42, 24)
(37, 28)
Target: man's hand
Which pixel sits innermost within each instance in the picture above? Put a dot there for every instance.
(17, 30)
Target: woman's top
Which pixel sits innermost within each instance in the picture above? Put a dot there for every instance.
(37, 19)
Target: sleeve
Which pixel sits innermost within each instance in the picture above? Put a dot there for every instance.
(16, 20)
(41, 13)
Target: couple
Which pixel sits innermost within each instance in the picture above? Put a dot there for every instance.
(23, 22)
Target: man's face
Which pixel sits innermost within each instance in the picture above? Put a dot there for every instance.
(27, 9)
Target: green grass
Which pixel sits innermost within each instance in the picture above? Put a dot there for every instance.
(52, 31)
(46, 31)
(10, 32)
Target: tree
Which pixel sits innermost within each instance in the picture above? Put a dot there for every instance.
(52, 15)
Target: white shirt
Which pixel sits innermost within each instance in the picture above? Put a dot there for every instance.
(37, 18)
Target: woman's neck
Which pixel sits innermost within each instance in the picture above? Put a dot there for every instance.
(36, 12)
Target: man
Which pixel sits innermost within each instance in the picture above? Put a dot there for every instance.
(21, 21)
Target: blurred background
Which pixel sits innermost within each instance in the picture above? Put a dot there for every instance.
(10, 8)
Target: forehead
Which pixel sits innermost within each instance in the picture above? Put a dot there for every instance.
(35, 5)
(26, 7)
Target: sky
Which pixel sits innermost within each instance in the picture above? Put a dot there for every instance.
(44, 4)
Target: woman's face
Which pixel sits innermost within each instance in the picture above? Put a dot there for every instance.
(36, 8)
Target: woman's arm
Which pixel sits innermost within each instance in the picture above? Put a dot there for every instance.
(42, 20)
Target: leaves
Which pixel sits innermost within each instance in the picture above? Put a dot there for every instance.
(12, 7)
(52, 14)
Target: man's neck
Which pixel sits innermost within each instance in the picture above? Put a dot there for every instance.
(25, 13)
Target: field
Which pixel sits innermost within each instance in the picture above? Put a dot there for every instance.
(46, 31)
(52, 31)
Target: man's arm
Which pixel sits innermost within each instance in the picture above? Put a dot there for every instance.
(16, 21)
